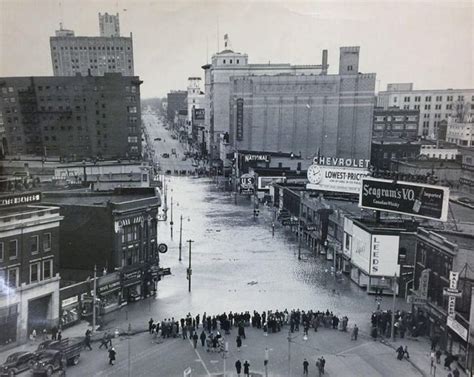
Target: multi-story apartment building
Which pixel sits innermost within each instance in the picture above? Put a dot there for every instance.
(72, 117)
(434, 105)
(109, 25)
(110, 52)
(29, 265)
(461, 132)
(217, 84)
(305, 114)
(395, 122)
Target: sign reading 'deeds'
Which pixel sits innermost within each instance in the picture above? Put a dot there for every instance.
(19, 199)
(413, 199)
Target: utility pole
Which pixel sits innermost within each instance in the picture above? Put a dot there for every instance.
(171, 219)
(224, 355)
(190, 271)
(393, 305)
(94, 299)
(180, 236)
(299, 230)
(289, 353)
(265, 362)
(129, 351)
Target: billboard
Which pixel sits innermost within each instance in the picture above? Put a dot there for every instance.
(360, 255)
(384, 255)
(412, 199)
(20, 199)
(265, 182)
(199, 114)
(335, 178)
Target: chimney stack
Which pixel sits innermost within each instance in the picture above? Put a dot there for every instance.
(324, 70)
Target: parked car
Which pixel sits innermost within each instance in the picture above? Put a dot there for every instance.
(48, 362)
(165, 155)
(16, 363)
(157, 138)
(71, 349)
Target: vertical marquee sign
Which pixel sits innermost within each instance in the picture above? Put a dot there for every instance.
(240, 119)
(411, 199)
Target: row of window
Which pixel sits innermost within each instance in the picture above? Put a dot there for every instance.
(396, 118)
(428, 98)
(10, 89)
(38, 271)
(108, 48)
(34, 246)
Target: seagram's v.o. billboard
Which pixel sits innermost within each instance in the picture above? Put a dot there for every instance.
(407, 198)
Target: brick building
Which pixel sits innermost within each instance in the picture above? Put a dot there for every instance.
(305, 113)
(395, 122)
(177, 100)
(29, 266)
(115, 231)
(72, 117)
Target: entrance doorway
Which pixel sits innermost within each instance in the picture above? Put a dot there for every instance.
(38, 314)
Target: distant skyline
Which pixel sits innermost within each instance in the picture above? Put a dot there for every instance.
(429, 43)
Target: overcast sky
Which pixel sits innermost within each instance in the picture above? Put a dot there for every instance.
(429, 43)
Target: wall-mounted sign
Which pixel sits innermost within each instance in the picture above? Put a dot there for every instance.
(341, 162)
(257, 157)
(413, 199)
(162, 248)
(164, 271)
(384, 255)
(19, 199)
(339, 179)
(265, 182)
(69, 301)
(424, 283)
(240, 119)
(457, 328)
(110, 287)
(199, 114)
(289, 222)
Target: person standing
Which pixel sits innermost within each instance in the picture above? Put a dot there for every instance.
(195, 339)
(150, 325)
(54, 333)
(456, 372)
(112, 354)
(239, 342)
(305, 367)
(104, 341)
(355, 333)
(238, 367)
(438, 356)
(323, 363)
(247, 368)
(87, 340)
(203, 338)
(60, 335)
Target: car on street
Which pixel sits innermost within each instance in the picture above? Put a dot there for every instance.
(184, 158)
(71, 350)
(48, 362)
(157, 139)
(17, 363)
(165, 155)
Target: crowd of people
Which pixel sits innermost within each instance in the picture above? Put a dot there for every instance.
(210, 330)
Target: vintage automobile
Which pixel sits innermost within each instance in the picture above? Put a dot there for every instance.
(70, 350)
(49, 362)
(16, 363)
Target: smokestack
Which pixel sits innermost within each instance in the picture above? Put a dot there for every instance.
(324, 70)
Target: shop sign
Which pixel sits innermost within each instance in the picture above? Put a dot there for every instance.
(109, 287)
(335, 179)
(453, 279)
(132, 220)
(423, 284)
(412, 199)
(341, 162)
(240, 119)
(265, 182)
(199, 114)
(411, 299)
(164, 271)
(289, 222)
(249, 191)
(452, 292)
(311, 227)
(257, 157)
(457, 328)
(19, 199)
(247, 181)
(69, 301)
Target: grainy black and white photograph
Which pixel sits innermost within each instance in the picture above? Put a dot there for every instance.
(237, 188)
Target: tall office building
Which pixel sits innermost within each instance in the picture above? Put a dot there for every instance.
(329, 114)
(434, 105)
(109, 25)
(72, 117)
(94, 56)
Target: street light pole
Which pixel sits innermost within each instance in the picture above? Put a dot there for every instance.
(393, 305)
(289, 353)
(299, 231)
(265, 362)
(94, 299)
(189, 266)
(180, 235)
(171, 219)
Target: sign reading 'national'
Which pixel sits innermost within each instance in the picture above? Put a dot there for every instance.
(413, 199)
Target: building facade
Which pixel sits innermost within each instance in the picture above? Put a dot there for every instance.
(461, 132)
(109, 25)
(434, 105)
(467, 170)
(177, 100)
(395, 122)
(73, 117)
(385, 152)
(115, 231)
(96, 56)
(217, 84)
(29, 266)
(305, 114)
